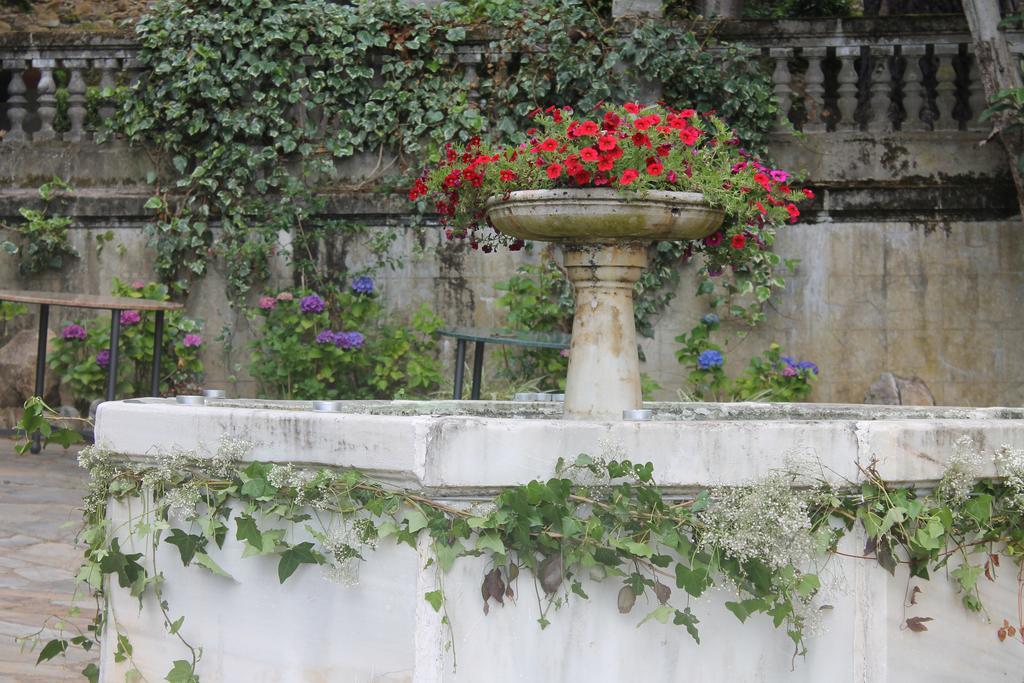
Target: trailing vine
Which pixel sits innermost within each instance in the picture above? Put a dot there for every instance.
(258, 111)
(599, 516)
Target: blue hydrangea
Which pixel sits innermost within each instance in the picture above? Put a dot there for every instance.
(312, 304)
(349, 340)
(363, 285)
(807, 365)
(710, 319)
(326, 337)
(710, 359)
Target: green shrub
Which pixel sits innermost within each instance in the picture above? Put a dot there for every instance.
(81, 351)
(335, 345)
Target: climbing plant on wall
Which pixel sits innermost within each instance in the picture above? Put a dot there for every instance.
(258, 110)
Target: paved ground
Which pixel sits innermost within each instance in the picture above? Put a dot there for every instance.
(39, 496)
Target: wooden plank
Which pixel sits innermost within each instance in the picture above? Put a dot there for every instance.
(120, 303)
(999, 70)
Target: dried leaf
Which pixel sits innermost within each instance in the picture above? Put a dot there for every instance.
(513, 572)
(886, 558)
(869, 547)
(492, 587)
(913, 595)
(550, 573)
(662, 591)
(627, 598)
(916, 624)
(1002, 634)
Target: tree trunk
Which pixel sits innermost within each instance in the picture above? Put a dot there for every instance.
(999, 70)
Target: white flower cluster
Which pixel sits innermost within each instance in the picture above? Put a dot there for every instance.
(766, 521)
(286, 476)
(341, 547)
(962, 471)
(100, 464)
(230, 451)
(1010, 464)
(183, 500)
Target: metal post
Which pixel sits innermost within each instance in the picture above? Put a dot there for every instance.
(158, 337)
(478, 368)
(460, 362)
(44, 325)
(115, 333)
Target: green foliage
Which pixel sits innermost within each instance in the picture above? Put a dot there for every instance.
(764, 541)
(313, 354)
(1007, 108)
(41, 241)
(772, 378)
(537, 298)
(81, 362)
(35, 418)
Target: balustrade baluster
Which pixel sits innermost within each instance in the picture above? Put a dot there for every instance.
(814, 90)
(880, 88)
(913, 88)
(47, 99)
(107, 68)
(470, 60)
(975, 95)
(847, 88)
(783, 86)
(945, 87)
(76, 97)
(16, 102)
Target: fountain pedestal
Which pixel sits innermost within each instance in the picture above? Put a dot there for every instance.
(604, 369)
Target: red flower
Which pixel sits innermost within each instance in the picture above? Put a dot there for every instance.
(582, 177)
(760, 207)
(632, 107)
(588, 154)
(611, 120)
(587, 128)
(641, 140)
(600, 179)
(739, 241)
(763, 180)
(808, 193)
(615, 153)
(606, 143)
(557, 116)
(713, 240)
(507, 175)
(655, 168)
(554, 170)
(689, 136)
(628, 176)
(643, 123)
(793, 212)
(664, 150)
(605, 163)
(687, 113)
(549, 145)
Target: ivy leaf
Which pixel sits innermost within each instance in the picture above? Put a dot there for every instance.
(660, 613)
(187, 544)
(204, 560)
(490, 542)
(301, 553)
(91, 673)
(416, 520)
(51, 650)
(980, 508)
(435, 598)
(182, 672)
(916, 624)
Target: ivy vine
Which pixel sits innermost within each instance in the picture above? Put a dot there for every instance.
(257, 111)
(599, 516)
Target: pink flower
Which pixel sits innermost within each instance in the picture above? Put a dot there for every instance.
(138, 284)
(285, 296)
(129, 318)
(192, 340)
(267, 302)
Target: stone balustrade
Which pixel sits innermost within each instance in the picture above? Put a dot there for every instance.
(830, 76)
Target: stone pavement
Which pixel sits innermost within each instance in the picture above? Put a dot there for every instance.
(39, 497)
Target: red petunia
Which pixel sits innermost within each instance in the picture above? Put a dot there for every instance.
(582, 177)
(588, 154)
(554, 170)
(760, 207)
(793, 212)
(688, 113)
(641, 140)
(664, 150)
(643, 123)
(809, 193)
(655, 168)
(689, 136)
(611, 120)
(549, 145)
(632, 107)
(606, 143)
(628, 176)
(739, 241)
(600, 179)
(507, 175)
(587, 128)
(605, 163)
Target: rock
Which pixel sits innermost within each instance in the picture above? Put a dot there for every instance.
(893, 390)
(18, 369)
(92, 408)
(69, 418)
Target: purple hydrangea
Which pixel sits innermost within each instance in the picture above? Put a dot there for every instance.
(363, 285)
(103, 358)
(73, 332)
(130, 318)
(326, 337)
(192, 340)
(710, 359)
(311, 304)
(807, 365)
(349, 340)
